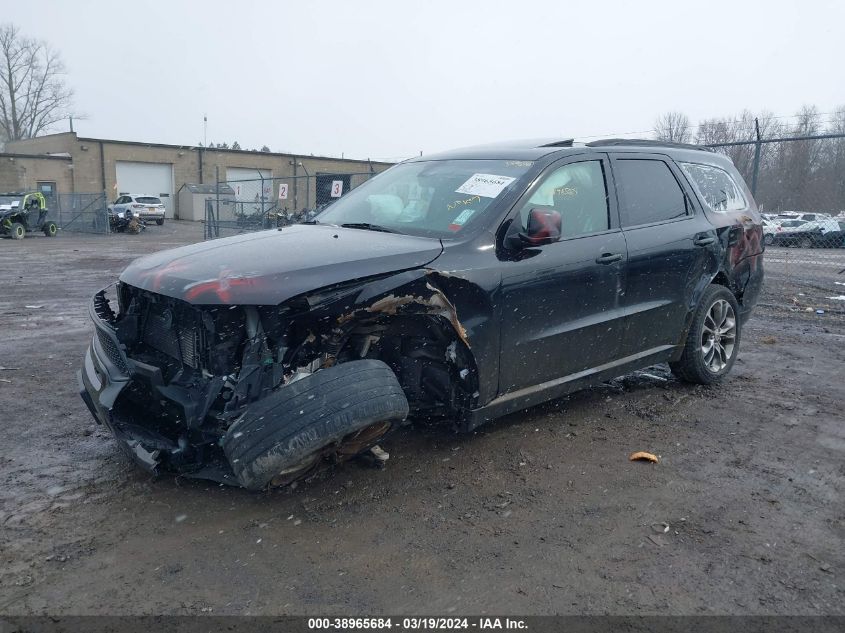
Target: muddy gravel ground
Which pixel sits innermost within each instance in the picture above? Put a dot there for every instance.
(538, 513)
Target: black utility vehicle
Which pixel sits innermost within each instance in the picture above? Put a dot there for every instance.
(22, 213)
(463, 286)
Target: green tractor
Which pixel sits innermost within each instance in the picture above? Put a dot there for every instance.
(21, 213)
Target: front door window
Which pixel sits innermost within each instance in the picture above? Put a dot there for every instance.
(578, 192)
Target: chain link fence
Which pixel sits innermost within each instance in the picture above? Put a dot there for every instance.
(73, 213)
(79, 212)
(240, 206)
(799, 185)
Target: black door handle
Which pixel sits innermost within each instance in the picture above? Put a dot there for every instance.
(704, 240)
(608, 258)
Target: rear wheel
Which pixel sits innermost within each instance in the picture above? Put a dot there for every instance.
(160, 221)
(768, 239)
(50, 229)
(17, 231)
(805, 242)
(712, 344)
(327, 417)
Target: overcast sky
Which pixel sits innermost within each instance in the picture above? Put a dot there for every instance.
(391, 79)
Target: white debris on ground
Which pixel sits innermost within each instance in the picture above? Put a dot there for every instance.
(379, 453)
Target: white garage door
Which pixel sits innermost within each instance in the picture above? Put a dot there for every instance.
(246, 183)
(154, 179)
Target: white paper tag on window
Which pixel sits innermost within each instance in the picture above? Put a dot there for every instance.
(486, 185)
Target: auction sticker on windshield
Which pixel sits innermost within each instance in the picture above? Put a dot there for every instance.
(487, 185)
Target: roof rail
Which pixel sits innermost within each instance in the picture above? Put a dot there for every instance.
(645, 142)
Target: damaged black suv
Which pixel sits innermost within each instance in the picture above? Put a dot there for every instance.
(461, 286)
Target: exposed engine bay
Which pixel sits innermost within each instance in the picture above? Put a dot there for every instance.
(195, 369)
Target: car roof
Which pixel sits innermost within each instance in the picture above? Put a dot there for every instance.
(521, 149)
(534, 149)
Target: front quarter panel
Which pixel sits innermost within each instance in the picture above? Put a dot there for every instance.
(466, 301)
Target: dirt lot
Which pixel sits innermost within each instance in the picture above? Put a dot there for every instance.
(538, 513)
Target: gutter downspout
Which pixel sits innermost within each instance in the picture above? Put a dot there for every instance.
(295, 187)
(105, 191)
(102, 166)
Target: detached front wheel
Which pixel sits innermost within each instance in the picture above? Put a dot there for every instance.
(324, 418)
(712, 344)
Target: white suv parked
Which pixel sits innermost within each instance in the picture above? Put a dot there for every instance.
(815, 221)
(142, 206)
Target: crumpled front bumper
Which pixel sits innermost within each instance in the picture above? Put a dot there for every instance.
(106, 371)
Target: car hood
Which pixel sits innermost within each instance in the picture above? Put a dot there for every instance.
(269, 267)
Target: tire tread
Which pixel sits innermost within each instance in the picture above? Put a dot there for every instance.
(294, 421)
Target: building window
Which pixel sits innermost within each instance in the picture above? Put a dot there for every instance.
(47, 188)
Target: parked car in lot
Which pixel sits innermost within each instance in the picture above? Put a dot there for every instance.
(461, 286)
(143, 207)
(792, 230)
(806, 217)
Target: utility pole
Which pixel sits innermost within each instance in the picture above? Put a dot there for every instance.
(757, 146)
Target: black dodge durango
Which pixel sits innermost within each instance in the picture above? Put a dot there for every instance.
(461, 286)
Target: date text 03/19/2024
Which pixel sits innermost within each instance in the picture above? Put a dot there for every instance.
(417, 623)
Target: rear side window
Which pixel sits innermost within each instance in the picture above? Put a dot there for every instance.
(649, 191)
(716, 187)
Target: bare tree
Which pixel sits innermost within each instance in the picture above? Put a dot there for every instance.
(833, 164)
(33, 94)
(736, 130)
(794, 175)
(672, 127)
(799, 162)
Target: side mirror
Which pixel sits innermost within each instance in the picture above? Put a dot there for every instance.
(545, 226)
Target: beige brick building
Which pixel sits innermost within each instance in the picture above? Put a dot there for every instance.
(23, 171)
(67, 163)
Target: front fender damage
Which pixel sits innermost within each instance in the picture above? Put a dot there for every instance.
(410, 321)
(194, 371)
(427, 299)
